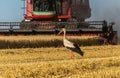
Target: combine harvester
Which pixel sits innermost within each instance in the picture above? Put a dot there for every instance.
(48, 16)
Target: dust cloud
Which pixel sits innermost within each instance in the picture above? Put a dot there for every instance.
(108, 12)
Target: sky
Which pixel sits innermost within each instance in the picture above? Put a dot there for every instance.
(109, 10)
(10, 10)
(105, 9)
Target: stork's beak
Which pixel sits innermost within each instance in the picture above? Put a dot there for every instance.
(60, 32)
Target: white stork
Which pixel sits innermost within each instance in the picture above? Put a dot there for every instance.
(70, 45)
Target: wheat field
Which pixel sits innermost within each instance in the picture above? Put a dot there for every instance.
(55, 62)
(44, 41)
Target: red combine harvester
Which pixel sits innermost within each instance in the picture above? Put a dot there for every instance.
(48, 16)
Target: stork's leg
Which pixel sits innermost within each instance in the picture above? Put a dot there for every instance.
(72, 55)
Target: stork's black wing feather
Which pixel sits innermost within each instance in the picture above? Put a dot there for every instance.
(76, 49)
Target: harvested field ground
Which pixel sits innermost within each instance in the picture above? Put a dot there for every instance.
(98, 62)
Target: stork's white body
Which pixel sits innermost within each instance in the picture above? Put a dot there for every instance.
(68, 43)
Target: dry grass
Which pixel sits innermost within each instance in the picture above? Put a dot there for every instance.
(98, 62)
(85, 68)
(43, 41)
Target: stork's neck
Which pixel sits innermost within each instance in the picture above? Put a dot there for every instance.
(64, 37)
